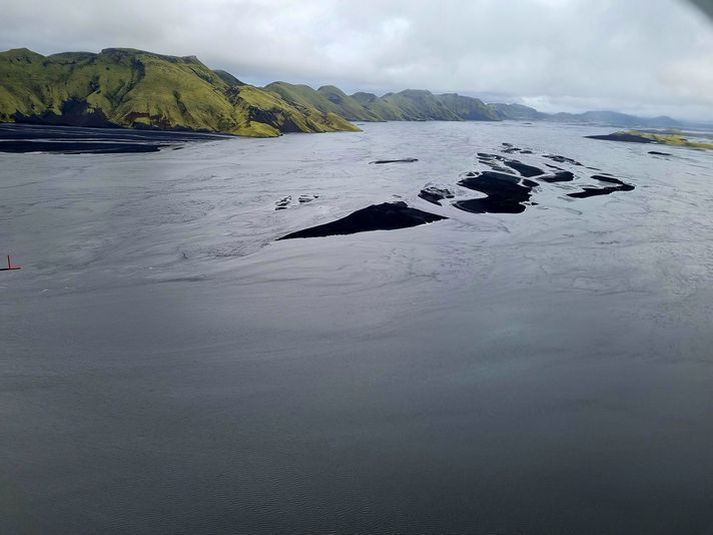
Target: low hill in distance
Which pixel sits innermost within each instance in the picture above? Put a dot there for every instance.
(606, 118)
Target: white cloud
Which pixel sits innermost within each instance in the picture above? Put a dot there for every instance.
(650, 55)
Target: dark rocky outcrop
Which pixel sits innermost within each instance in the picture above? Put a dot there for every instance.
(66, 147)
(594, 192)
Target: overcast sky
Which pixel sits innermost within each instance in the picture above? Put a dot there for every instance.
(640, 56)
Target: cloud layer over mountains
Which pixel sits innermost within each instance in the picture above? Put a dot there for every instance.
(640, 56)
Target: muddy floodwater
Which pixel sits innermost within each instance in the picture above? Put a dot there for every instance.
(536, 360)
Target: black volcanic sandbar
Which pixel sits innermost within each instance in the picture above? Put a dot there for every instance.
(505, 193)
(523, 168)
(559, 176)
(72, 147)
(607, 190)
(384, 216)
(434, 194)
(402, 160)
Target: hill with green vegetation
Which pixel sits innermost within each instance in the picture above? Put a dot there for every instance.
(469, 108)
(121, 87)
(517, 112)
(407, 105)
(327, 99)
(138, 89)
(673, 139)
(416, 105)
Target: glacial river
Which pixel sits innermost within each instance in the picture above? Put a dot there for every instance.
(166, 366)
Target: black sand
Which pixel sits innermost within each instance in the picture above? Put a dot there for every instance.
(385, 216)
(505, 193)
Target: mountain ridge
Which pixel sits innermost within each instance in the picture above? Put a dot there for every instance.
(122, 87)
(126, 87)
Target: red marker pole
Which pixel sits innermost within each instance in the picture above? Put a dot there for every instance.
(10, 267)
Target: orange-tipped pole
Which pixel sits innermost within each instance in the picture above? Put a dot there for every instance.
(10, 267)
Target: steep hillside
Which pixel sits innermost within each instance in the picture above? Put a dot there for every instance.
(327, 99)
(133, 88)
(468, 108)
(517, 112)
(348, 107)
(419, 105)
(408, 105)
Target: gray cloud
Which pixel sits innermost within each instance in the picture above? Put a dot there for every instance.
(641, 56)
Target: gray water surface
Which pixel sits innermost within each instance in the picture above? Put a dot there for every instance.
(166, 367)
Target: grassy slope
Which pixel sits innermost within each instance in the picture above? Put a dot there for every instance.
(674, 140)
(383, 108)
(133, 88)
(516, 111)
(414, 105)
(348, 107)
(468, 108)
(327, 99)
(408, 105)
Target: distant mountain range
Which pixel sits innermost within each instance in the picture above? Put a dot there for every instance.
(121, 87)
(606, 118)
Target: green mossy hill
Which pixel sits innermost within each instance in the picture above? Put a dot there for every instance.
(348, 107)
(417, 105)
(327, 99)
(517, 112)
(673, 139)
(468, 108)
(133, 88)
(408, 105)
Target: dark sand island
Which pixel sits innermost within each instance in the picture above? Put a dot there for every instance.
(384, 216)
(505, 193)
